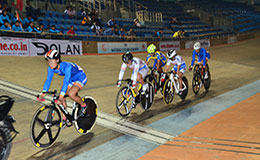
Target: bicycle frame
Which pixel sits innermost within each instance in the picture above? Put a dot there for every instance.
(175, 82)
(60, 106)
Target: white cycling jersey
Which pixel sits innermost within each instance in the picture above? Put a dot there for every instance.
(138, 65)
(177, 61)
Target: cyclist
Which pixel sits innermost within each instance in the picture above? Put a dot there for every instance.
(158, 57)
(139, 68)
(74, 80)
(202, 54)
(179, 66)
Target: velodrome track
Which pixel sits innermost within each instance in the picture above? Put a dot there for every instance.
(232, 66)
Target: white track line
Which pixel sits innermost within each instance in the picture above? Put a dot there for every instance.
(104, 119)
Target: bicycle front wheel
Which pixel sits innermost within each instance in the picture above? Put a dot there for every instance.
(124, 101)
(196, 81)
(5, 145)
(168, 92)
(45, 126)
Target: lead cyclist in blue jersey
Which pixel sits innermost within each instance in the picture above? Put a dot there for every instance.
(74, 80)
(158, 57)
(203, 56)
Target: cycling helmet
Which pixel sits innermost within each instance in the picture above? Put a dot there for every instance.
(151, 48)
(52, 54)
(171, 53)
(127, 56)
(196, 45)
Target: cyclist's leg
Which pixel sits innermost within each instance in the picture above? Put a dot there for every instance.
(181, 72)
(159, 67)
(140, 78)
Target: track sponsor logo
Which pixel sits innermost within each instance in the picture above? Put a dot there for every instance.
(106, 47)
(205, 43)
(14, 46)
(168, 45)
(41, 46)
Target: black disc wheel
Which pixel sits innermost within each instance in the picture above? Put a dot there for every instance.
(124, 101)
(207, 82)
(153, 81)
(184, 92)
(45, 126)
(148, 97)
(168, 91)
(85, 124)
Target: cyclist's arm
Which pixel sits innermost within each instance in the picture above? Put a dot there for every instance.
(135, 71)
(167, 66)
(204, 57)
(193, 57)
(147, 59)
(122, 71)
(47, 83)
(66, 80)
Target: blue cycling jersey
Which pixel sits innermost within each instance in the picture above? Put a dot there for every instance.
(202, 55)
(71, 72)
(158, 56)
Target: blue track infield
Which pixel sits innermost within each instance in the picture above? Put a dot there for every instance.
(131, 148)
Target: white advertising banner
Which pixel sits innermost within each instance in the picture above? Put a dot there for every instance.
(10, 46)
(205, 43)
(232, 39)
(120, 47)
(65, 47)
(166, 46)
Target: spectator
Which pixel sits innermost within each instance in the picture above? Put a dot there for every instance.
(116, 32)
(71, 31)
(27, 21)
(54, 30)
(5, 7)
(131, 33)
(109, 31)
(6, 26)
(86, 21)
(40, 28)
(4, 17)
(122, 32)
(178, 34)
(70, 12)
(31, 28)
(111, 22)
(137, 23)
(159, 34)
(17, 26)
(95, 27)
(100, 32)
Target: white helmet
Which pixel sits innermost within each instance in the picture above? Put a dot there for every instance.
(52, 54)
(171, 53)
(196, 45)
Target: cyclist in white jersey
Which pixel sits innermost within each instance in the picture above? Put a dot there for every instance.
(139, 68)
(179, 65)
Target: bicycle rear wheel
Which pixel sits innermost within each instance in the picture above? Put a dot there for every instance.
(207, 81)
(168, 92)
(85, 124)
(147, 99)
(196, 84)
(124, 101)
(45, 126)
(152, 80)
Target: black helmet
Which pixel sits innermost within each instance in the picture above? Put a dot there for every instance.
(52, 54)
(127, 56)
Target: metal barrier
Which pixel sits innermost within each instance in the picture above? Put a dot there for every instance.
(45, 35)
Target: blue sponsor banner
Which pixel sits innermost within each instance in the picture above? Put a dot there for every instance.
(120, 47)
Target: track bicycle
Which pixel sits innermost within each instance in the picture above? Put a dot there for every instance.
(7, 130)
(171, 86)
(127, 98)
(46, 123)
(199, 80)
(154, 79)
